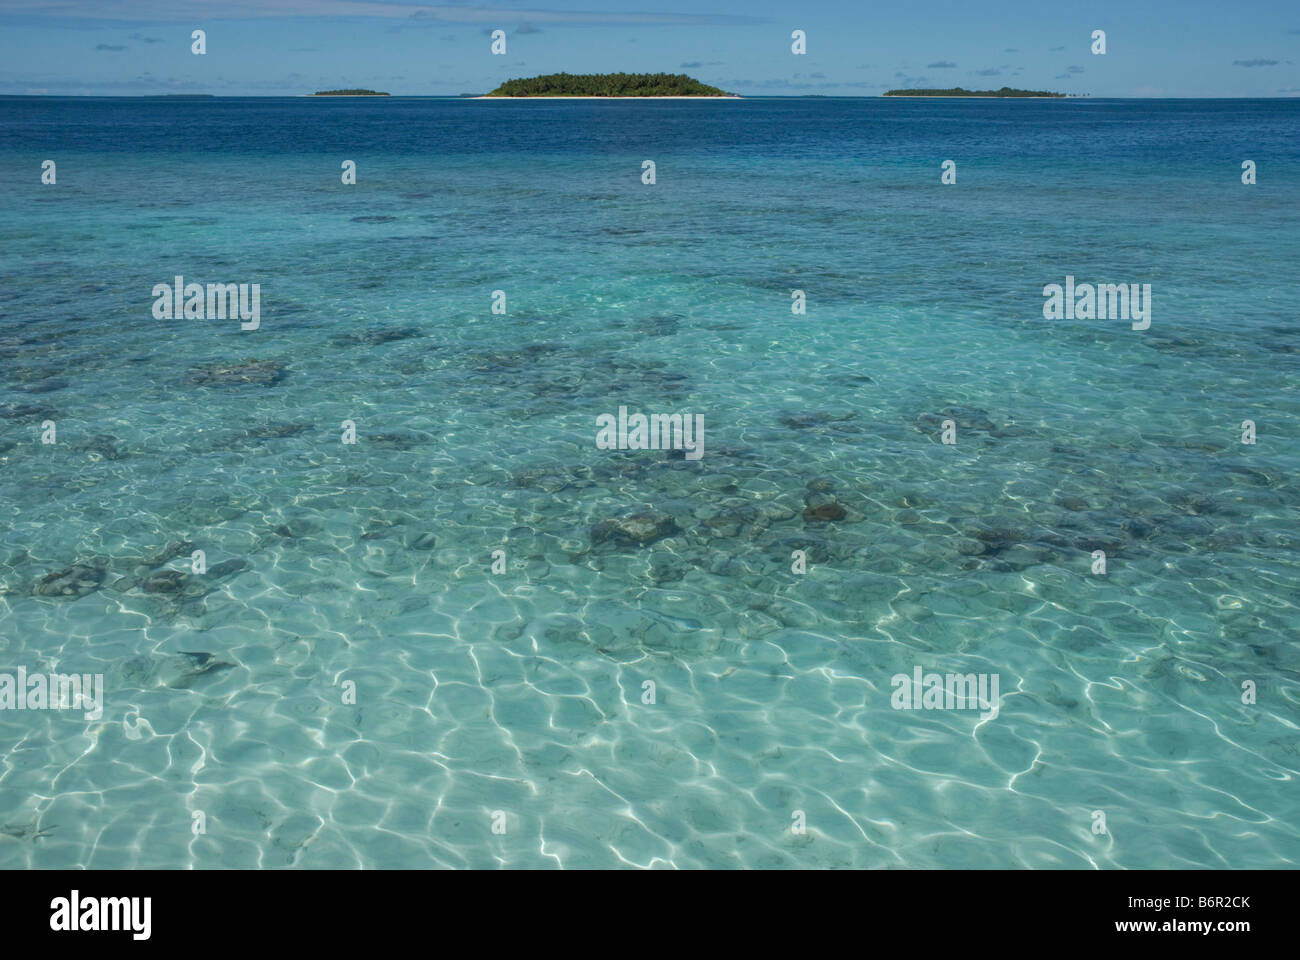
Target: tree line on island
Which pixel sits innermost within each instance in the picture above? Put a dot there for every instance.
(960, 92)
(607, 85)
(660, 85)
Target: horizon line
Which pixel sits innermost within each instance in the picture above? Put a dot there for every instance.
(468, 96)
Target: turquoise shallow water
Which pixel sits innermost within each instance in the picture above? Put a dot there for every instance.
(521, 692)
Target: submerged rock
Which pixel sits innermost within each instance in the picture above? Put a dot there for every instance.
(175, 583)
(423, 541)
(371, 338)
(259, 372)
(170, 552)
(817, 418)
(817, 551)
(277, 431)
(997, 539)
(178, 671)
(226, 568)
(667, 568)
(510, 360)
(75, 581)
(638, 529)
(823, 513)
(660, 326)
(178, 584)
(104, 447)
(164, 581)
(731, 520)
(966, 419)
(397, 439)
(24, 832)
(24, 410)
(822, 508)
(968, 547)
(43, 384)
(550, 479)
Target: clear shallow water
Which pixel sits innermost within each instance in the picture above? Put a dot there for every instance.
(521, 692)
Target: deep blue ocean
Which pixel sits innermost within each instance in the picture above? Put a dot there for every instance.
(475, 638)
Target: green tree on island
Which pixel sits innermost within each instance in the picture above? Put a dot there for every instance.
(960, 92)
(607, 85)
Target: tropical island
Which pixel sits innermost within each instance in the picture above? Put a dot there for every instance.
(960, 92)
(608, 85)
(349, 93)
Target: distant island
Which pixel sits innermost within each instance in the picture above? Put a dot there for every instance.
(608, 85)
(960, 92)
(349, 93)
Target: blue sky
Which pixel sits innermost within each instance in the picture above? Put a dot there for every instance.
(1155, 48)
